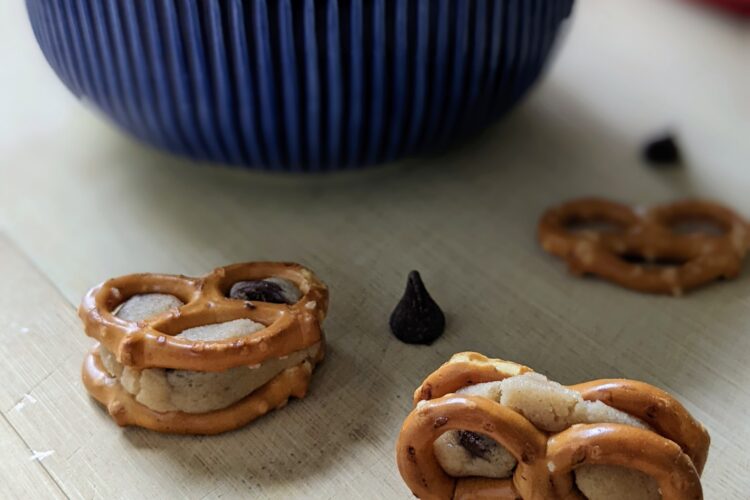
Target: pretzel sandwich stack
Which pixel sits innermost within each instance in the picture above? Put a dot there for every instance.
(203, 355)
(486, 428)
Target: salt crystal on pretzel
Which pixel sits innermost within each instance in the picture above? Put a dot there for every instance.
(181, 355)
(610, 235)
(602, 439)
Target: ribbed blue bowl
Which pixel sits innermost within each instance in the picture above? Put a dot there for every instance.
(302, 85)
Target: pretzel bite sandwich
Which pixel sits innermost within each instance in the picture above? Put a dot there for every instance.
(203, 355)
(486, 428)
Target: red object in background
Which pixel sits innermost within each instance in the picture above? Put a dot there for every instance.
(738, 6)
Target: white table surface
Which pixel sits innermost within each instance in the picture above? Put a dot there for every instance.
(79, 203)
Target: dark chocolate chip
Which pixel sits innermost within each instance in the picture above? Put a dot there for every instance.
(258, 290)
(476, 444)
(417, 319)
(662, 151)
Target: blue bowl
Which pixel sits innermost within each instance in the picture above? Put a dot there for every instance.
(301, 85)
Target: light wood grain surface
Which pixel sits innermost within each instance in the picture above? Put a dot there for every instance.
(80, 203)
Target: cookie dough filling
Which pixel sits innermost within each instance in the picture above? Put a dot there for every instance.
(551, 407)
(417, 319)
(143, 307)
(166, 390)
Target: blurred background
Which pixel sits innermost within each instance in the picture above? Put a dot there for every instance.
(620, 74)
(80, 202)
(637, 70)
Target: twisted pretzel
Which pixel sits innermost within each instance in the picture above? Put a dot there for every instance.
(151, 343)
(674, 453)
(652, 236)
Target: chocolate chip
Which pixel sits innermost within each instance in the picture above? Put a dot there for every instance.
(476, 444)
(662, 151)
(272, 290)
(417, 319)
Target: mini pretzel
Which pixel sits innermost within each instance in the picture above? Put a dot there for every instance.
(700, 257)
(674, 453)
(151, 344)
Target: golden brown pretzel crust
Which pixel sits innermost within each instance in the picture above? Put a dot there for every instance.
(417, 461)
(478, 488)
(465, 368)
(125, 410)
(673, 454)
(703, 257)
(658, 409)
(615, 444)
(151, 343)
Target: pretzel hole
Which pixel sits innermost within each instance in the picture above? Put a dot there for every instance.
(208, 318)
(616, 482)
(659, 262)
(281, 284)
(699, 226)
(273, 290)
(463, 453)
(122, 291)
(577, 225)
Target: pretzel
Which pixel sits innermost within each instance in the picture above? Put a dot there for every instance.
(695, 259)
(151, 343)
(464, 369)
(673, 453)
(125, 410)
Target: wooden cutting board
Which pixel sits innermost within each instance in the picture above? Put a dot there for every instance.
(80, 203)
